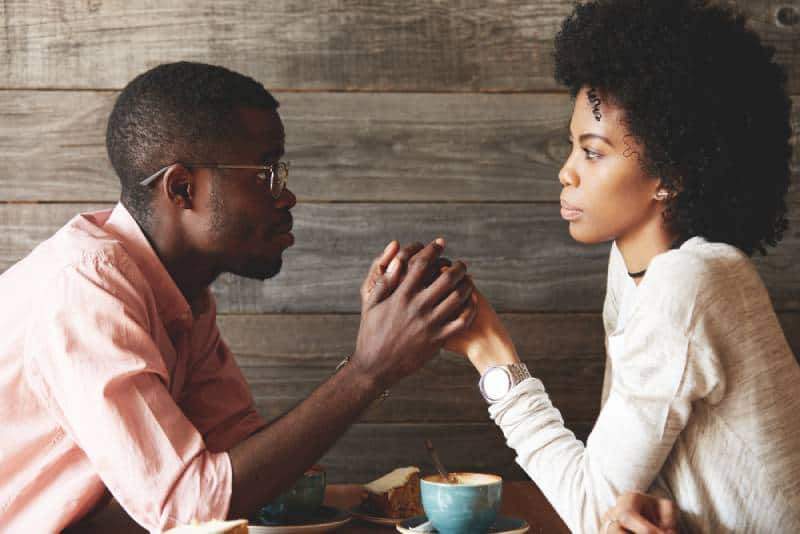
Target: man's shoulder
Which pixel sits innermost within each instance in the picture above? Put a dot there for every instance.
(82, 243)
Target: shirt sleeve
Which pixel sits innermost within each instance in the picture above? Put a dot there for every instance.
(216, 397)
(91, 360)
(657, 374)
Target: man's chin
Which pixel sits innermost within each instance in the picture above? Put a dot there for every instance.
(261, 270)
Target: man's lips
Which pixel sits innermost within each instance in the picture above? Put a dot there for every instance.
(284, 225)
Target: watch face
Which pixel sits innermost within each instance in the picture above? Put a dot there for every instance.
(496, 383)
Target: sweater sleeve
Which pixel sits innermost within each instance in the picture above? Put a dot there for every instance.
(650, 400)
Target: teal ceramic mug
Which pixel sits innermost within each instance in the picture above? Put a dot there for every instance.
(468, 507)
(302, 501)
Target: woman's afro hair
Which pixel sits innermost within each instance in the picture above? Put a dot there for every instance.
(706, 100)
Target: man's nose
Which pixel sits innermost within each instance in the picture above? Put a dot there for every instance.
(287, 200)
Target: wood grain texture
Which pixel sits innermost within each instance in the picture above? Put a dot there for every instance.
(343, 147)
(368, 450)
(351, 45)
(284, 357)
(520, 255)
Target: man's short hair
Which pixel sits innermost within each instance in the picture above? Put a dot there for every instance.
(175, 112)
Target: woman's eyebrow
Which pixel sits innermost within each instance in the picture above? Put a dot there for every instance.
(596, 136)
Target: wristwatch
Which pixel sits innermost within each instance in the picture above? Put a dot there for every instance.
(498, 380)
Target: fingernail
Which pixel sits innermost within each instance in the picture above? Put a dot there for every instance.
(439, 241)
(388, 247)
(393, 265)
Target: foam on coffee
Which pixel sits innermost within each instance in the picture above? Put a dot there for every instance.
(465, 479)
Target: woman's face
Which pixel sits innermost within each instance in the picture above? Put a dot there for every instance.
(606, 194)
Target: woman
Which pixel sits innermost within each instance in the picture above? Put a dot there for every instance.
(680, 156)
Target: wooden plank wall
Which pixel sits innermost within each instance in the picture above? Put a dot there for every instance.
(404, 120)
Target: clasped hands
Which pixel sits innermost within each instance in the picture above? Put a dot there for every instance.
(414, 302)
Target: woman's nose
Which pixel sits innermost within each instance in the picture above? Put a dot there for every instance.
(567, 175)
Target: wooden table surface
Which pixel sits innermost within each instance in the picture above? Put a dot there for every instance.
(520, 499)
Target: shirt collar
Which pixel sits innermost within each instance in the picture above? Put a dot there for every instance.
(172, 305)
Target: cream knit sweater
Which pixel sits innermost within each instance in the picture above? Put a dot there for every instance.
(703, 402)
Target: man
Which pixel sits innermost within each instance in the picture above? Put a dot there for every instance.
(114, 379)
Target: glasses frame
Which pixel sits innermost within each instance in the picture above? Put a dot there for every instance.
(268, 174)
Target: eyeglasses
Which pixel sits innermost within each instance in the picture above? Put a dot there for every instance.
(274, 175)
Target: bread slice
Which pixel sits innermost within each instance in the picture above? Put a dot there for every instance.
(238, 526)
(395, 494)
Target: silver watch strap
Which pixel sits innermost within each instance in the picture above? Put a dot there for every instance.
(519, 372)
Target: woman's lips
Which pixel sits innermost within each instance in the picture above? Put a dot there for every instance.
(569, 212)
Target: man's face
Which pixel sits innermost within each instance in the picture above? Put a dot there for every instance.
(248, 230)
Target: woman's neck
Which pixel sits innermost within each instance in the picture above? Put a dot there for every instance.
(638, 248)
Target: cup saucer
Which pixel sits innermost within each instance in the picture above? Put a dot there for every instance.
(326, 519)
(501, 525)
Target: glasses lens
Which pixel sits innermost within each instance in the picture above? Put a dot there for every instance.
(279, 173)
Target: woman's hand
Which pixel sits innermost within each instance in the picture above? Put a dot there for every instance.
(486, 342)
(641, 514)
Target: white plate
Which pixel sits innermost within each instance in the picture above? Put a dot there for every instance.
(364, 515)
(334, 520)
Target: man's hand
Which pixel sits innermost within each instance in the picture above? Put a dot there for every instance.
(641, 514)
(410, 305)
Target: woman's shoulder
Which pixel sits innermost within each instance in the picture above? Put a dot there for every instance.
(698, 261)
(699, 274)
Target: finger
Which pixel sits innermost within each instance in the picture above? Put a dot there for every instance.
(408, 251)
(460, 323)
(453, 303)
(636, 523)
(422, 264)
(386, 283)
(444, 263)
(444, 284)
(378, 267)
(667, 514)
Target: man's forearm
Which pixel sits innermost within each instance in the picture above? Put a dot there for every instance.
(112, 518)
(269, 461)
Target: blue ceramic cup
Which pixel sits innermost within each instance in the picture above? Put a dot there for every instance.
(302, 501)
(468, 507)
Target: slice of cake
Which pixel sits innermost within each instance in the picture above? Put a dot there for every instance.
(395, 494)
(238, 526)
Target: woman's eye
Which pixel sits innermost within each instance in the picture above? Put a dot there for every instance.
(590, 154)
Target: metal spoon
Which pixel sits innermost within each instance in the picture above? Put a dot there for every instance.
(438, 463)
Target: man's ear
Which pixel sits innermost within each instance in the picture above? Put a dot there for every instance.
(178, 186)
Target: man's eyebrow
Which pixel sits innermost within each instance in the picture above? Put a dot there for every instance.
(272, 155)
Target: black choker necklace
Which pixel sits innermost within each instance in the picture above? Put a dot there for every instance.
(637, 275)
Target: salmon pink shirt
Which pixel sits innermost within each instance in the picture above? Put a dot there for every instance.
(110, 380)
